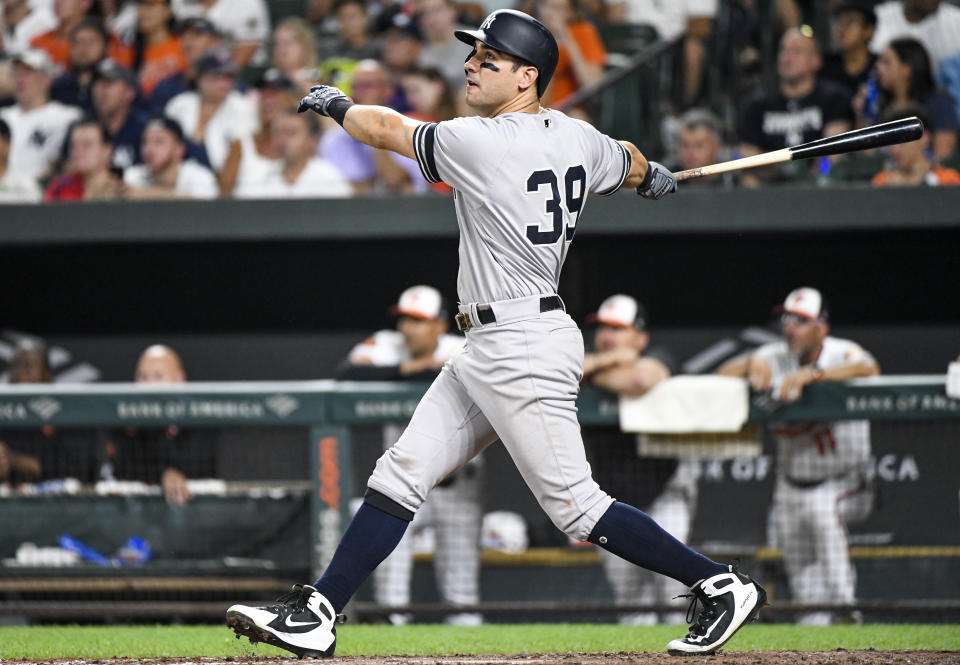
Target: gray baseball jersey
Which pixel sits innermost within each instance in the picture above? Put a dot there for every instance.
(521, 181)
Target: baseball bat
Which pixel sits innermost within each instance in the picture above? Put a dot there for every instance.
(889, 133)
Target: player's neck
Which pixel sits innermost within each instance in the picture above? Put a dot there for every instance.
(810, 356)
(519, 104)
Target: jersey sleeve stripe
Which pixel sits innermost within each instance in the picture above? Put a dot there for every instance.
(423, 145)
(627, 165)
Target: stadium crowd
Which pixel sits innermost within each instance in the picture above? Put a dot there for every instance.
(133, 99)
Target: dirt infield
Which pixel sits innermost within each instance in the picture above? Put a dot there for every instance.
(838, 657)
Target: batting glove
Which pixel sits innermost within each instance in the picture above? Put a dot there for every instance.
(657, 183)
(320, 98)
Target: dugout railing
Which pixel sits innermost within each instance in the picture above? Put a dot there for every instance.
(908, 558)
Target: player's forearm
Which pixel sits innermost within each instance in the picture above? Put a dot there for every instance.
(628, 381)
(851, 371)
(381, 127)
(638, 169)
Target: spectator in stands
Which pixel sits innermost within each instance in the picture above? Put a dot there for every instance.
(623, 362)
(197, 37)
(430, 97)
(904, 75)
(88, 47)
(802, 108)
(88, 173)
(295, 53)
(934, 23)
(37, 125)
(14, 187)
(852, 23)
(215, 114)
(437, 20)
(245, 22)
(165, 172)
(114, 94)
(299, 173)
(354, 39)
(911, 162)
(165, 455)
(690, 21)
(582, 55)
(367, 169)
(416, 351)
(157, 53)
(700, 144)
(56, 42)
(402, 42)
(22, 21)
(816, 493)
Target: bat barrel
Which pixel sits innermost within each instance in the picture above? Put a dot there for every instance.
(889, 133)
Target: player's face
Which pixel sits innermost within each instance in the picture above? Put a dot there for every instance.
(160, 149)
(492, 80)
(419, 335)
(802, 335)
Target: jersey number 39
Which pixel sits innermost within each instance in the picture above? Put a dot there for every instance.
(575, 182)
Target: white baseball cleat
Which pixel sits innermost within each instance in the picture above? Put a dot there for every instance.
(728, 601)
(301, 622)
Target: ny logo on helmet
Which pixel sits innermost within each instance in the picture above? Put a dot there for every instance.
(488, 22)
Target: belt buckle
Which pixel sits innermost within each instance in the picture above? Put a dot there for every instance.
(463, 322)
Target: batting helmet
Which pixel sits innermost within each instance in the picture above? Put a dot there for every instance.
(521, 36)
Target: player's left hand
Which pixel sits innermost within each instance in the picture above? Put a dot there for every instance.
(658, 182)
(319, 99)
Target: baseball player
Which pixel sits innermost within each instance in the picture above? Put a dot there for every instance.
(624, 362)
(416, 351)
(821, 483)
(521, 175)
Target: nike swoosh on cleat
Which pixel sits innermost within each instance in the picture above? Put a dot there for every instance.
(296, 624)
(715, 624)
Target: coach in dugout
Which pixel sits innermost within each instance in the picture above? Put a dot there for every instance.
(821, 483)
(158, 455)
(624, 362)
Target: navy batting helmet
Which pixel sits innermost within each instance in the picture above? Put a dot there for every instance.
(521, 36)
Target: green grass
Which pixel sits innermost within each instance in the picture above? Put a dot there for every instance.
(37, 642)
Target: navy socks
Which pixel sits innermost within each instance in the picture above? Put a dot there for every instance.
(370, 537)
(632, 535)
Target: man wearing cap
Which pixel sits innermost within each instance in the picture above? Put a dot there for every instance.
(114, 93)
(215, 114)
(165, 173)
(88, 47)
(37, 125)
(821, 482)
(416, 351)
(852, 23)
(197, 37)
(624, 362)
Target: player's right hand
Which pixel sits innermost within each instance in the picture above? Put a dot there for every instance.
(658, 182)
(319, 99)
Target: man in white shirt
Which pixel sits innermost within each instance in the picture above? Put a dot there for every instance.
(298, 173)
(933, 23)
(245, 22)
(21, 23)
(164, 173)
(14, 187)
(37, 125)
(215, 114)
